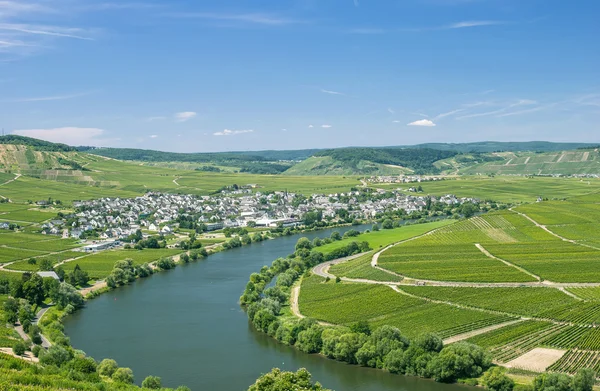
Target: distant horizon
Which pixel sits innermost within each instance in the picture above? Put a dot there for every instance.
(574, 143)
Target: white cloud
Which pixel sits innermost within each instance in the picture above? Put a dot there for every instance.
(326, 126)
(154, 136)
(229, 132)
(474, 23)
(449, 113)
(51, 98)
(391, 111)
(53, 31)
(185, 116)
(396, 121)
(422, 122)
(332, 92)
(522, 102)
(310, 126)
(67, 135)
(254, 18)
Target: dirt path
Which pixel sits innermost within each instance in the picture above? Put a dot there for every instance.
(294, 297)
(294, 302)
(97, 286)
(470, 334)
(17, 176)
(28, 356)
(489, 255)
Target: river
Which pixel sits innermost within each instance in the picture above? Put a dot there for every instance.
(185, 325)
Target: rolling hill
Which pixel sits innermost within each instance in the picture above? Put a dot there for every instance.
(89, 166)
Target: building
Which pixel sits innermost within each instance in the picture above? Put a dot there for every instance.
(48, 275)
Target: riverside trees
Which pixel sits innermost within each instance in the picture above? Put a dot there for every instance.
(384, 347)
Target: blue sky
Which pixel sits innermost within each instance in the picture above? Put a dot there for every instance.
(277, 74)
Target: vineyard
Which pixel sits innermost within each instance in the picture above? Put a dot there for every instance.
(482, 272)
(346, 303)
(361, 268)
(517, 301)
(576, 359)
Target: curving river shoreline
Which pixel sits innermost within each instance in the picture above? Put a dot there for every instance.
(186, 326)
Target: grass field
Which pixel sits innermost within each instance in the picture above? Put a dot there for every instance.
(509, 188)
(519, 301)
(361, 268)
(382, 238)
(381, 305)
(100, 265)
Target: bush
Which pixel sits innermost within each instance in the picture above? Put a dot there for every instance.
(496, 380)
(107, 367)
(152, 382)
(55, 355)
(36, 350)
(19, 348)
(123, 375)
(166, 264)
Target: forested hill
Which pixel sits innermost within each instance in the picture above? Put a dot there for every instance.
(38, 145)
(419, 160)
(497, 146)
(215, 157)
(372, 161)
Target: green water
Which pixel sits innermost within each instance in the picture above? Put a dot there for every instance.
(186, 326)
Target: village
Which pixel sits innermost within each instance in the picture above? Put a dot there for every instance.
(159, 213)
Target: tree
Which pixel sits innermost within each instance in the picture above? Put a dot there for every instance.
(459, 360)
(361, 326)
(496, 380)
(335, 235)
(19, 348)
(584, 380)
(303, 243)
(11, 310)
(78, 277)
(310, 341)
(55, 355)
(33, 290)
(67, 294)
(387, 224)
(123, 375)
(45, 265)
(152, 382)
(552, 382)
(107, 367)
(468, 209)
(277, 380)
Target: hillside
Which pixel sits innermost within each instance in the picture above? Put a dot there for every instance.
(371, 161)
(497, 146)
(38, 145)
(529, 163)
(327, 165)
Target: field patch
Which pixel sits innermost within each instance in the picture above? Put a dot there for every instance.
(537, 360)
(345, 303)
(101, 264)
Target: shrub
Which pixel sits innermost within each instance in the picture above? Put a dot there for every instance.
(107, 367)
(496, 380)
(36, 350)
(152, 382)
(123, 375)
(19, 348)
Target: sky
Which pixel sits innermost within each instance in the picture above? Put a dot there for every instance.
(230, 75)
